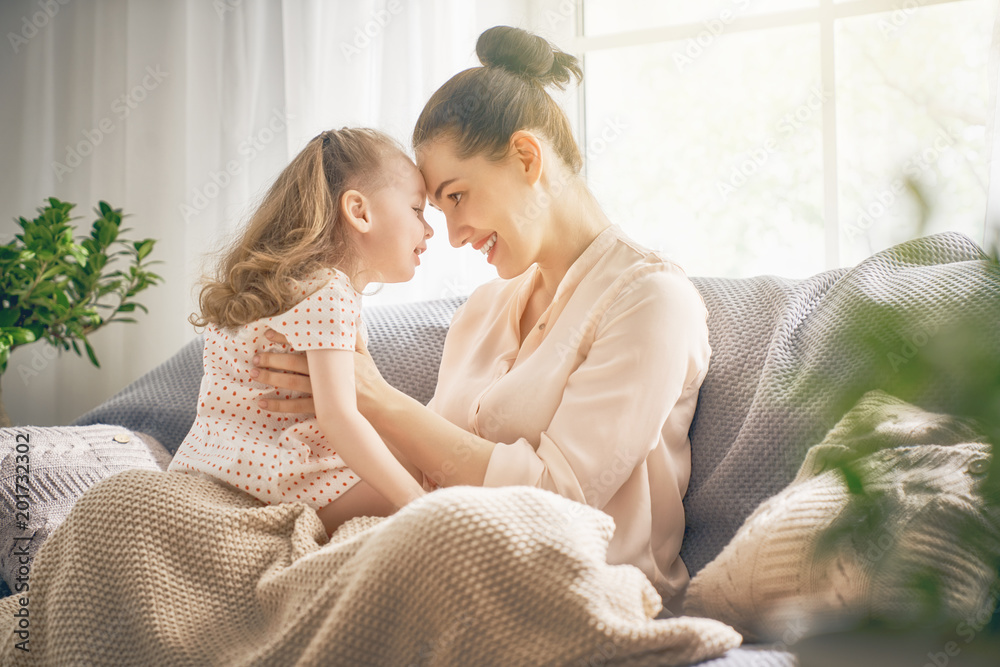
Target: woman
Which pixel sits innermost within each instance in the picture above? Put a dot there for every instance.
(576, 371)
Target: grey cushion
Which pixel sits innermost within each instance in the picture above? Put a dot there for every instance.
(63, 462)
(790, 357)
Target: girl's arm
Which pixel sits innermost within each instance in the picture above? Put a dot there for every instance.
(448, 454)
(357, 442)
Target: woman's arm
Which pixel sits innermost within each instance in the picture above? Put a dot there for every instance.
(350, 433)
(447, 454)
(296, 378)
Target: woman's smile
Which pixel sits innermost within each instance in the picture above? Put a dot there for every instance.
(488, 246)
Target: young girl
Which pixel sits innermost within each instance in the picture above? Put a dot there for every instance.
(347, 211)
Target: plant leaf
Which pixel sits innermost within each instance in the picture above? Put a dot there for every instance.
(90, 353)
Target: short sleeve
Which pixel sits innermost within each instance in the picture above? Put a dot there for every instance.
(327, 318)
(364, 332)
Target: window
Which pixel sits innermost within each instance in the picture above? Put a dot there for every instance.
(786, 136)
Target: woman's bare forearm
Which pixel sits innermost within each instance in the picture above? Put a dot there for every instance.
(447, 454)
(410, 466)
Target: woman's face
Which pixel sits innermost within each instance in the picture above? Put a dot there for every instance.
(483, 200)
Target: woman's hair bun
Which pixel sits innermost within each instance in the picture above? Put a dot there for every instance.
(528, 55)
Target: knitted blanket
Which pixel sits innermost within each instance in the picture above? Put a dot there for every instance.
(158, 568)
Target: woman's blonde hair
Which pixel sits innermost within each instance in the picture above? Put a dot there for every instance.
(296, 230)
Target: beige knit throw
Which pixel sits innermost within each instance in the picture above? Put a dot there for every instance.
(157, 568)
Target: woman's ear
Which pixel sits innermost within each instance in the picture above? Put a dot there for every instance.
(355, 208)
(527, 150)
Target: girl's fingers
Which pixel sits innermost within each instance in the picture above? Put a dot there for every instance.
(297, 405)
(291, 381)
(283, 361)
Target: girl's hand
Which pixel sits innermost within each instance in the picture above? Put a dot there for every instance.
(268, 367)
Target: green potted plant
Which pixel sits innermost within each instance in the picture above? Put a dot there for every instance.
(60, 290)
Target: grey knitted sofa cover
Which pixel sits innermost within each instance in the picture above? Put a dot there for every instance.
(789, 358)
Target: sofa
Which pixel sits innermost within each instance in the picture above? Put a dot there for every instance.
(790, 356)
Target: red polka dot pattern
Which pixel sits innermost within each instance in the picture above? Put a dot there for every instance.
(275, 457)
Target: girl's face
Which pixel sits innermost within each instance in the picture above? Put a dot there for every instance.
(484, 200)
(398, 229)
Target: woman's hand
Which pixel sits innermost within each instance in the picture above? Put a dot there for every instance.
(284, 370)
(368, 382)
(290, 370)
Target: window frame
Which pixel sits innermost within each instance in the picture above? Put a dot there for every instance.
(825, 15)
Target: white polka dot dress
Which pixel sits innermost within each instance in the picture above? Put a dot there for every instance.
(275, 457)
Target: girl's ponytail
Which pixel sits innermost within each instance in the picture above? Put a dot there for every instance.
(296, 230)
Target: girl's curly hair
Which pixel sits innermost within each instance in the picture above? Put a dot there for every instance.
(297, 229)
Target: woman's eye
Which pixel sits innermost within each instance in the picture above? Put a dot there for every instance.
(455, 197)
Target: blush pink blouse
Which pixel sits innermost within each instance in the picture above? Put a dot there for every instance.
(597, 402)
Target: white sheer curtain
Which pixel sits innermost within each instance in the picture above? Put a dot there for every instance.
(993, 137)
(181, 113)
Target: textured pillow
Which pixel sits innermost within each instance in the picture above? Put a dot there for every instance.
(62, 463)
(919, 539)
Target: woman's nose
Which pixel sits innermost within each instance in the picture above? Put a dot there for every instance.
(455, 235)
